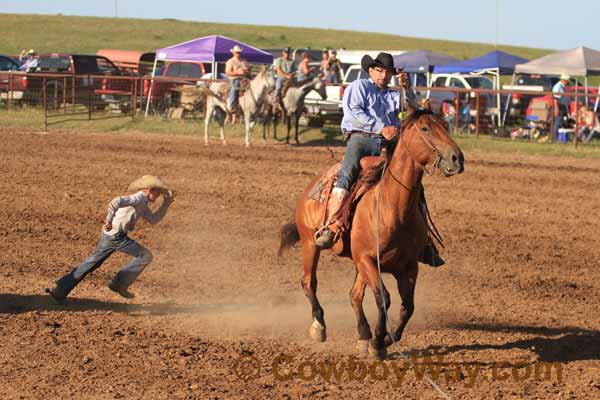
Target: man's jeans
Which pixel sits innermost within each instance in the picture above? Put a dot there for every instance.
(584, 130)
(108, 245)
(358, 146)
(279, 82)
(233, 93)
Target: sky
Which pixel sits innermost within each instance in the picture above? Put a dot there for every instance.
(530, 23)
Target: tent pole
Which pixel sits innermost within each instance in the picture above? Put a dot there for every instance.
(509, 97)
(498, 98)
(150, 90)
(597, 99)
(214, 70)
(586, 91)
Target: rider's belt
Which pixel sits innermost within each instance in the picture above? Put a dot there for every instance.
(365, 134)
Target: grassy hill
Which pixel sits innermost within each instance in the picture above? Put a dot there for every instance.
(57, 33)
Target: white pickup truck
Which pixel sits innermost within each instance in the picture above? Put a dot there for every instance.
(320, 111)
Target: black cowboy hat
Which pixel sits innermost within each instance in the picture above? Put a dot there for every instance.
(383, 60)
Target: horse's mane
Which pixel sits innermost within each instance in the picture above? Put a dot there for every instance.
(373, 176)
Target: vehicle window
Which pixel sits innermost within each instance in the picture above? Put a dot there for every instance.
(480, 82)
(86, 65)
(190, 70)
(105, 65)
(363, 75)
(352, 75)
(439, 82)
(7, 65)
(54, 64)
(456, 83)
(173, 69)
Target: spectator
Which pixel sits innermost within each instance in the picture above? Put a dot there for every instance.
(304, 70)
(449, 113)
(324, 64)
(30, 61)
(588, 124)
(284, 70)
(560, 104)
(334, 69)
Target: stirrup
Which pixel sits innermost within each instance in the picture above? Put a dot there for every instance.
(325, 238)
(431, 256)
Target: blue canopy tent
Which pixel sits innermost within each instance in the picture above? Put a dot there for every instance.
(495, 63)
(421, 62)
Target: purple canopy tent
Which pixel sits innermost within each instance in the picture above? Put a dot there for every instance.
(213, 49)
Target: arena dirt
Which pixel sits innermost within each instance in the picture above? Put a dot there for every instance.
(216, 312)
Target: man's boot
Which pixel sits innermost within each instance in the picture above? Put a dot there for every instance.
(430, 255)
(326, 236)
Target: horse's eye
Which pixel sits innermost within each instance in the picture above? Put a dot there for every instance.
(425, 129)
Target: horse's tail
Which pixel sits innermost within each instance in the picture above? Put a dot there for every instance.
(289, 237)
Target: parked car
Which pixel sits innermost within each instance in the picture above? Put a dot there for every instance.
(75, 78)
(11, 79)
(162, 96)
(319, 111)
(520, 103)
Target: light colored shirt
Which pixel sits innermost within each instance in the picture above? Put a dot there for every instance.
(286, 66)
(558, 88)
(233, 65)
(124, 211)
(369, 109)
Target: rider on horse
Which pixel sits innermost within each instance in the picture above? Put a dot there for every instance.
(370, 121)
(236, 68)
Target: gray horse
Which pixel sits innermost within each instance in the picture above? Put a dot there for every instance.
(293, 103)
(250, 103)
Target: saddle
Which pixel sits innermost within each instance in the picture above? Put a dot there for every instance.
(370, 174)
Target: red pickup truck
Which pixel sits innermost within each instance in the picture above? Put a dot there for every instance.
(12, 82)
(71, 78)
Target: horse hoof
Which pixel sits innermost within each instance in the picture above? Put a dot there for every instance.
(362, 348)
(317, 332)
(224, 143)
(377, 353)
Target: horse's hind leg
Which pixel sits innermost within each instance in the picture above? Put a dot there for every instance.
(296, 123)
(406, 281)
(310, 260)
(209, 112)
(357, 294)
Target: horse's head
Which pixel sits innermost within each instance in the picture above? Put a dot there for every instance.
(425, 137)
(266, 75)
(319, 87)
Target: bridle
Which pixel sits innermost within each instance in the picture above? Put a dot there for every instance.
(429, 168)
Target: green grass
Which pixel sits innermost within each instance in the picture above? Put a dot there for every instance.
(33, 119)
(57, 33)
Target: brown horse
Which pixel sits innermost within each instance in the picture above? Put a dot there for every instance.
(422, 145)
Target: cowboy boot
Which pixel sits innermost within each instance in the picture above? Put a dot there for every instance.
(326, 236)
(430, 255)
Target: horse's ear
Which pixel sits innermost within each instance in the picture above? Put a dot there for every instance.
(425, 104)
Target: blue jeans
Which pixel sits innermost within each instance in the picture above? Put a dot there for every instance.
(279, 82)
(358, 147)
(334, 78)
(108, 245)
(233, 93)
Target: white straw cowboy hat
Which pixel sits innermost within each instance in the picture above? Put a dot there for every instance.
(565, 77)
(149, 182)
(236, 49)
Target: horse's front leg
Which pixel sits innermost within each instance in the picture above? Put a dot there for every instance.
(206, 122)
(368, 268)
(289, 128)
(248, 128)
(357, 295)
(406, 280)
(296, 123)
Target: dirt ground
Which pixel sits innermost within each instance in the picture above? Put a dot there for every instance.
(218, 316)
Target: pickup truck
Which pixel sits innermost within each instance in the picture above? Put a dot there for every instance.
(12, 82)
(162, 94)
(320, 111)
(74, 78)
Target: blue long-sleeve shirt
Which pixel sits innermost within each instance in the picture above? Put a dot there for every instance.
(369, 109)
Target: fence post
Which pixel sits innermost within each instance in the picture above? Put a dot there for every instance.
(9, 94)
(89, 100)
(134, 97)
(65, 94)
(45, 104)
(477, 112)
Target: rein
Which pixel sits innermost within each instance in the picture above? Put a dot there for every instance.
(428, 169)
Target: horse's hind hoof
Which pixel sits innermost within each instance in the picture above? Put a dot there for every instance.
(378, 353)
(317, 332)
(362, 348)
